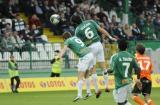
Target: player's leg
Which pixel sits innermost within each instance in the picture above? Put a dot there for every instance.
(52, 74)
(83, 65)
(17, 83)
(88, 89)
(101, 61)
(147, 85)
(121, 95)
(136, 97)
(12, 84)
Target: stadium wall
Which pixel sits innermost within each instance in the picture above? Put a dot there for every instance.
(59, 84)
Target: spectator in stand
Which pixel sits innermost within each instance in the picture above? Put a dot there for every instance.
(105, 22)
(148, 28)
(119, 32)
(6, 44)
(27, 37)
(11, 9)
(156, 23)
(18, 24)
(35, 20)
(156, 6)
(54, 6)
(114, 20)
(36, 33)
(8, 27)
(128, 31)
(79, 12)
(137, 32)
(3, 25)
(140, 21)
(16, 41)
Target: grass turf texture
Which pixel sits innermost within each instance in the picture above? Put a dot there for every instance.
(62, 98)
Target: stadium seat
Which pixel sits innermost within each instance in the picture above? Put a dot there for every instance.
(25, 56)
(57, 46)
(40, 47)
(6, 56)
(48, 47)
(0, 57)
(17, 56)
(35, 55)
(43, 55)
(51, 55)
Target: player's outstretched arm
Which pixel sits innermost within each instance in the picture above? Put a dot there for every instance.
(63, 51)
(105, 33)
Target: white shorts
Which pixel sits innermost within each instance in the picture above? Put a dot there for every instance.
(122, 94)
(98, 52)
(86, 62)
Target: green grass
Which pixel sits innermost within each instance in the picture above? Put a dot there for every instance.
(62, 98)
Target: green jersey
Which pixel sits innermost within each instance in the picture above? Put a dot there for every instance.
(77, 46)
(122, 64)
(87, 31)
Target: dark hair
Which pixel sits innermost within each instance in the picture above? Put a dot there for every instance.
(122, 44)
(76, 19)
(140, 48)
(66, 35)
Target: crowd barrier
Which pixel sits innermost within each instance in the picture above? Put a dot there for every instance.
(60, 84)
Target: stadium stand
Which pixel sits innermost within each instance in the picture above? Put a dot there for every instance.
(32, 16)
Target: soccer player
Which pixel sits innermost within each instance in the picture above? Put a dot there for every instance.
(122, 64)
(13, 73)
(145, 77)
(85, 58)
(56, 65)
(88, 31)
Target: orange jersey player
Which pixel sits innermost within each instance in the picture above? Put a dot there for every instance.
(145, 77)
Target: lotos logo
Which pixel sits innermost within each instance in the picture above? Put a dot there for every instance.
(43, 84)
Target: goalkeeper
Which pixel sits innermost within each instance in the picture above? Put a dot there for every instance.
(56, 65)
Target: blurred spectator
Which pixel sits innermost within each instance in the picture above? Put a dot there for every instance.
(11, 8)
(137, 32)
(6, 44)
(156, 23)
(148, 28)
(3, 25)
(18, 24)
(36, 33)
(27, 37)
(114, 20)
(16, 41)
(128, 31)
(140, 21)
(156, 6)
(119, 32)
(8, 27)
(79, 12)
(35, 20)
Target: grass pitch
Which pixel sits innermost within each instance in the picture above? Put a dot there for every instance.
(63, 98)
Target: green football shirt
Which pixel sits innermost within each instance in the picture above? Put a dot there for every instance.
(87, 31)
(77, 46)
(122, 65)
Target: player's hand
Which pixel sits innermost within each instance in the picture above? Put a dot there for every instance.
(139, 84)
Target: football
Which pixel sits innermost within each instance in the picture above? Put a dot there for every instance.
(55, 19)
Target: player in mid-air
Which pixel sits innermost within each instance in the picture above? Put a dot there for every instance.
(122, 64)
(88, 31)
(85, 58)
(145, 77)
